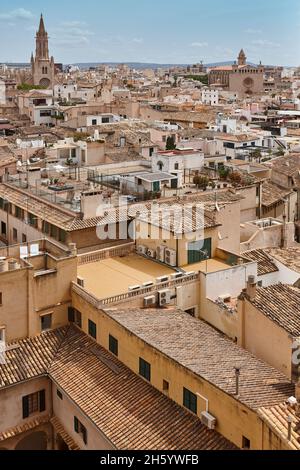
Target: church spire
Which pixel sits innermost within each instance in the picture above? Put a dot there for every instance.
(42, 29)
(242, 59)
(42, 49)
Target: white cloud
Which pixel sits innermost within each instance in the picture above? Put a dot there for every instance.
(265, 43)
(199, 44)
(72, 24)
(253, 31)
(18, 14)
(138, 40)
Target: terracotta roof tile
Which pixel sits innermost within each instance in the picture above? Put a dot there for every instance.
(207, 353)
(128, 410)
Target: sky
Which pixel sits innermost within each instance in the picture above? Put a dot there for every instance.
(154, 31)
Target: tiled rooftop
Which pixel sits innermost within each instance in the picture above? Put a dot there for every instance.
(290, 257)
(130, 412)
(207, 353)
(265, 264)
(281, 304)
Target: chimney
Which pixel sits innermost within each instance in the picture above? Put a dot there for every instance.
(251, 288)
(237, 380)
(73, 249)
(297, 391)
(2, 266)
(12, 265)
(290, 423)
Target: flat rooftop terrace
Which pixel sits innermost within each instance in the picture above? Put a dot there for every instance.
(113, 276)
(210, 266)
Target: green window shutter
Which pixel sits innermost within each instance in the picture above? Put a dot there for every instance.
(42, 400)
(71, 315)
(25, 403)
(84, 434)
(76, 425)
(92, 329)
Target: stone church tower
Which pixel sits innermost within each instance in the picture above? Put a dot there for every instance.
(242, 59)
(43, 67)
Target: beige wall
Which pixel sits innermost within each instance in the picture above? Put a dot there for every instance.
(264, 338)
(153, 237)
(65, 410)
(11, 410)
(234, 419)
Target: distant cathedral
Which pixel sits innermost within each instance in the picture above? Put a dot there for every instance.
(43, 67)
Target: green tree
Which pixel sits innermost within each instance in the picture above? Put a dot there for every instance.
(201, 181)
(170, 144)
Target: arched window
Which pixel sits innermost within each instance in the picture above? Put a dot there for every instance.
(160, 166)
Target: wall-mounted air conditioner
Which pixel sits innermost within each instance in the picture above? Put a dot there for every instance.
(164, 297)
(80, 281)
(170, 257)
(150, 301)
(208, 420)
(142, 250)
(160, 252)
(151, 253)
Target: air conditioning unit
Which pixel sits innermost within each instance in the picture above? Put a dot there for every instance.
(148, 284)
(151, 253)
(170, 257)
(164, 297)
(161, 253)
(208, 420)
(162, 279)
(142, 250)
(150, 301)
(176, 276)
(224, 298)
(133, 288)
(80, 281)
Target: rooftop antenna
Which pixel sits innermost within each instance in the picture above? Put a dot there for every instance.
(237, 380)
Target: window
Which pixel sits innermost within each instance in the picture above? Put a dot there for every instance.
(46, 227)
(145, 369)
(1, 299)
(92, 329)
(32, 220)
(166, 386)
(62, 236)
(34, 403)
(59, 394)
(94, 122)
(53, 231)
(176, 166)
(15, 234)
(74, 316)
(46, 113)
(80, 429)
(105, 120)
(46, 322)
(19, 213)
(246, 443)
(3, 228)
(24, 238)
(190, 400)
(2, 334)
(113, 345)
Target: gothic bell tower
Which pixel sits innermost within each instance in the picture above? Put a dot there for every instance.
(242, 59)
(43, 68)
